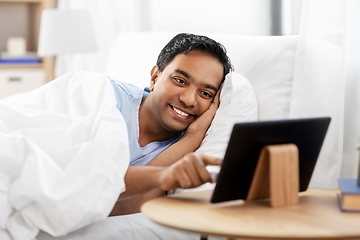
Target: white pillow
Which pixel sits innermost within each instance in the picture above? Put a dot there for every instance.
(237, 104)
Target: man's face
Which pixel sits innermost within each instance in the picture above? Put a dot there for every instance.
(184, 89)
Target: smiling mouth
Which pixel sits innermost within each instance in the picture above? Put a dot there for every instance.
(181, 113)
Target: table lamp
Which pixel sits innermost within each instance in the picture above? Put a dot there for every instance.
(66, 31)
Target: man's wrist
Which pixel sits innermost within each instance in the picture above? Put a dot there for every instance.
(194, 138)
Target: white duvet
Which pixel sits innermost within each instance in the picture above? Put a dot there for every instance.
(63, 156)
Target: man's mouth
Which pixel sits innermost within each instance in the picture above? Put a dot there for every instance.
(181, 113)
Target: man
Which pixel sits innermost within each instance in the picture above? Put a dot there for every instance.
(175, 113)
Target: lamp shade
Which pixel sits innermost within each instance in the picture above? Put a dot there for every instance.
(66, 31)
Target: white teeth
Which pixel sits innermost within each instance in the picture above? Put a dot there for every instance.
(180, 112)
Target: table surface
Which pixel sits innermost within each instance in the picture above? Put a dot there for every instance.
(317, 216)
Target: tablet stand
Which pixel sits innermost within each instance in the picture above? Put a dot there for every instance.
(276, 175)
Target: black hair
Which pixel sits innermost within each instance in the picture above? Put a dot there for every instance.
(186, 42)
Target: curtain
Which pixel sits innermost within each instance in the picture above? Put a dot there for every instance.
(330, 27)
(351, 165)
(109, 18)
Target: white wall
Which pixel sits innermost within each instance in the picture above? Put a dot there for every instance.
(245, 17)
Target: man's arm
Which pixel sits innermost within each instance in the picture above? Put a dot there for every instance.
(190, 142)
(189, 172)
(132, 205)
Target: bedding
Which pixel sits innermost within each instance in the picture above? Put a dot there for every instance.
(129, 227)
(52, 179)
(63, 156)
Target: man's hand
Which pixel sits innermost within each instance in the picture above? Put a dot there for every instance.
(202, 123)
(188, 172)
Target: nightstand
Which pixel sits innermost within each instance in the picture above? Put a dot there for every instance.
(19, 80)
(21, 18)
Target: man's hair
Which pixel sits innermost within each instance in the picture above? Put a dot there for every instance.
(186, 42)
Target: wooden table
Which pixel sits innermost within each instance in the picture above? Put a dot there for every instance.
(317, 216)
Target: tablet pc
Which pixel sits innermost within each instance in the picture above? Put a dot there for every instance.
(246, 142)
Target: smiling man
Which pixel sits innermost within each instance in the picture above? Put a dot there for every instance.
(170, 118)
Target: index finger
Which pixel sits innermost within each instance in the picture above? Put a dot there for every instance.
(208, 160)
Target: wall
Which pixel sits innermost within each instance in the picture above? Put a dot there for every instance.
(226, 16)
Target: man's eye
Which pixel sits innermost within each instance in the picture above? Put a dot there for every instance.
(206, 94)
(179, 80)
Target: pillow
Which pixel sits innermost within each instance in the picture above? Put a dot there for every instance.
(237, 104)
(267, 61)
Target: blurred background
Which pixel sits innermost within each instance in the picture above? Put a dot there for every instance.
(23, 68)
(244, 17)
(19, 18)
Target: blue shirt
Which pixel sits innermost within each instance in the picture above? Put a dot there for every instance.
(128, 98)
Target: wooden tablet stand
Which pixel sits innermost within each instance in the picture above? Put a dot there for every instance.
(276, 175)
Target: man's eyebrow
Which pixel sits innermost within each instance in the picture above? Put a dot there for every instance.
(185, 74)
(182, 72)
(210, 86)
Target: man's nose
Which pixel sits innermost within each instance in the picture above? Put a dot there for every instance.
(188, 97)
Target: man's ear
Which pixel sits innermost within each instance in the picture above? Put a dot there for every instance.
(154, 75)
